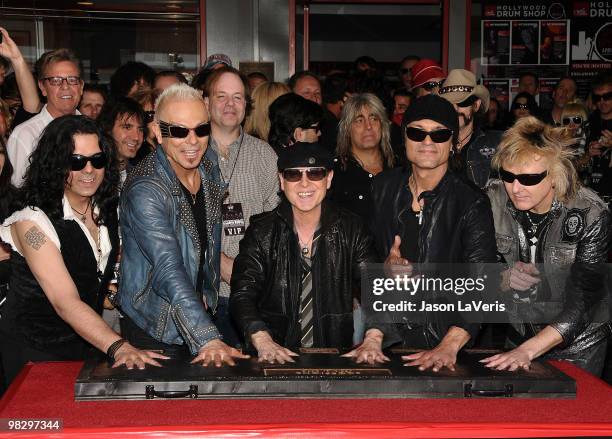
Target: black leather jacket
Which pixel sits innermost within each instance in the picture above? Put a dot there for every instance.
(457, 227)
(477, 155)
(266, 276)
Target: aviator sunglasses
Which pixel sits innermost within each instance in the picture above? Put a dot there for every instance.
(293, 175)
(177, 132)
(78, 161)
(437, 136)
(524, 179)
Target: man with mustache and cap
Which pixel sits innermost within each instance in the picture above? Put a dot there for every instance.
(426, 213)
(292, 285)
(475, 147)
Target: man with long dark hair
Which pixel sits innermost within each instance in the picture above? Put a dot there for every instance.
(64, 242)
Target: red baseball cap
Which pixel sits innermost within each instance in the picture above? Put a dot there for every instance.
(424, 71)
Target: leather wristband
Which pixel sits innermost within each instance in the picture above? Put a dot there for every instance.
(112, 349)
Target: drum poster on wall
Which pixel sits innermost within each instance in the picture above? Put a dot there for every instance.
(591, 41)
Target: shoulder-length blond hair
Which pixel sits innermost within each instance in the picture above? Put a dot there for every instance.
(351, 110)
(531, 139)
(258, 122)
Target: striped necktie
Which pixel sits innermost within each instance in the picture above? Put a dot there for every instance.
(306, 305)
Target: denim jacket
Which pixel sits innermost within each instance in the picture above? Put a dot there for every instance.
(161, 253)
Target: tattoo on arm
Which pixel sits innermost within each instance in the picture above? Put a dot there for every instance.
(35, 238)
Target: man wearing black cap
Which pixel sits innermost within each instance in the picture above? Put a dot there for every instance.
(428, 214)
(293, 278)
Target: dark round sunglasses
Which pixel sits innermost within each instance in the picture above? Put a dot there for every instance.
(437, 136)
(524, 179)
(293, 175)
(177, 132)
(430, 85)
(78, 161)
(606, 97)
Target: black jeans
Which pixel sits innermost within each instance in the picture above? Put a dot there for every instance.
(15, 354)
(140, 339)
(223, 320)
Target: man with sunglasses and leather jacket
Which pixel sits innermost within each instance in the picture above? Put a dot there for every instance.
(476, 146)
(554, 236)
(171, 230)
(292, 286)
(427, 213)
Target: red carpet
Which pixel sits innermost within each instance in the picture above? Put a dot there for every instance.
(45, 390)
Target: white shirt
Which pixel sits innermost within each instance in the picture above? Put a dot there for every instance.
(38, 217)
(23, 141)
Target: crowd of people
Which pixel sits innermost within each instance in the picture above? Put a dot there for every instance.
(232, 215)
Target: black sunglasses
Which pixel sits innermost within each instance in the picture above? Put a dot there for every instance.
(437, 136)
(178, 132)
(576, 120)
(430, 85)
(149, 116)
(78, 161)
(524, 179)
(293, 175)
(606, 97)
(404, 71)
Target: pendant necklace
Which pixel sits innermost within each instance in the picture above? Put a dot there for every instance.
(83, 214)
(413, 189)
(533, 228)
(306, 246)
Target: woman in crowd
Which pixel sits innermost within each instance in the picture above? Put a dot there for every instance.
(574, 118)
(64, 244)
(543, 216)
(293, 119)
(131, 77)
(523, 105)
(258, 121)
(495, 116)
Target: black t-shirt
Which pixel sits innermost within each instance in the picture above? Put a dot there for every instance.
(410, 239)
(198, 207)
